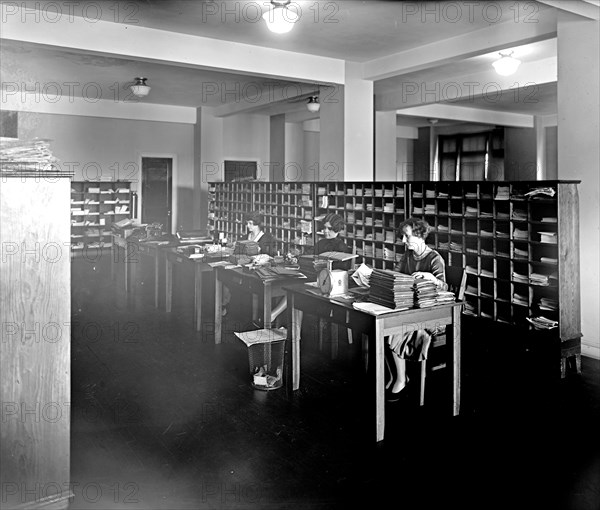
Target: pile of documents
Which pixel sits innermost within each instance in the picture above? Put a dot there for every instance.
(542, 323)
(391, 289)
(541, 191)
(425, 293)
(27, 156)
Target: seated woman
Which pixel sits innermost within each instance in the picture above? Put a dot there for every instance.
(332, 225)
(256, 233)
(419, 261)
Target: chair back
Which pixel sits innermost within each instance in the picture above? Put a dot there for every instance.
(456, 279)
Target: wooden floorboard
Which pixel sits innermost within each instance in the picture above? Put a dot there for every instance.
(163, 418)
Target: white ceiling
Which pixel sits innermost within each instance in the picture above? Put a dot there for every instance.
(350, 30)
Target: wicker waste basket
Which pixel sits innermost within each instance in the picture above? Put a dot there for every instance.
(266, 350)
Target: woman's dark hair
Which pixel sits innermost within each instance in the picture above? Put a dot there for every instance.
(335, 220)
(420, 228)
(255, 217)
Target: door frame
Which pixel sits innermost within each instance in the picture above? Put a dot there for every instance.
(173, 158)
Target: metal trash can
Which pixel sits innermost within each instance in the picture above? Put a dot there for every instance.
(266, 352)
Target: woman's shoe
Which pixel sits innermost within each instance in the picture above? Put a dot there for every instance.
(394, 396)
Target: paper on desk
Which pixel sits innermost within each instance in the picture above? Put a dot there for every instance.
(219, 263)
(262, 336)
(362, 274)
(372, 308)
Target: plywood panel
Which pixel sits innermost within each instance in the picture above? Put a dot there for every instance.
(35, 361)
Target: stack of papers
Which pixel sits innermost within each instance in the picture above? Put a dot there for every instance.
(548, 237)
(392, 289)
(541, 191)
(542, 323)
(27, 156)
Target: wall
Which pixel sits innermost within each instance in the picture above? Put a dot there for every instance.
(404, 159)
(246, 138)
(312, 143)
(97, 147)
(551, 170)
(294, 152)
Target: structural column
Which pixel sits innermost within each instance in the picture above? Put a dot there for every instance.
(579, 152)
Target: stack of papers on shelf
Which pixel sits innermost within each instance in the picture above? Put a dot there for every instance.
(520, 299)
(502, 193)
(548, 237)
(519, 278)
(547, 191)
(549, 260)
(542, 323)
(519, 233)
(549, 219)
(487, 273)
(547, 303)
(471, 211)
(539, 279)
(519, 214)
(520, 254)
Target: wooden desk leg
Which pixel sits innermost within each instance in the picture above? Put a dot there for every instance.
(456, 344)
(218, 307)
(126, 259)
(296, 329)
(335, 338)
(156, 272)
(254, 307)
(379, 380)
(168, 285)
(267, 294)
(113, 254)
(198, 296)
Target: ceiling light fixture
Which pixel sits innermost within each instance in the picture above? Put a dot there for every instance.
(139, 88)
(313, 104)
(507, 64)
(279, 18)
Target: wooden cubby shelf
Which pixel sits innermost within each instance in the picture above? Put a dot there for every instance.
(520, 251)
(95, 205)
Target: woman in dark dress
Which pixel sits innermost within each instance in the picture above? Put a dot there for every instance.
(256, 233)
(419, 261)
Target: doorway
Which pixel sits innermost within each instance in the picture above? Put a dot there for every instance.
(157, 177)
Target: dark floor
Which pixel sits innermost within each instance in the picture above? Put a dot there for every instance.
(163, 418)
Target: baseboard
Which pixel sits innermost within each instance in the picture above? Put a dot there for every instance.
(53, 502)
(591, 351)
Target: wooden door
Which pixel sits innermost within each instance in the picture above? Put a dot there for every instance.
(157, 191)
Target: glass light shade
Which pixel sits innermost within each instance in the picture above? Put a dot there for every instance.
(139, 88)
(280, 19)
(507, 65)
(313, 104)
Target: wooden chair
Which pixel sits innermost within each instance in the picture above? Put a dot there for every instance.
(456, 278)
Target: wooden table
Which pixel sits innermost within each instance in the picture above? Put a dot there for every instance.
(154, 251)
(130, 250)
(172, 257)
(247, 283)
(301, 300)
